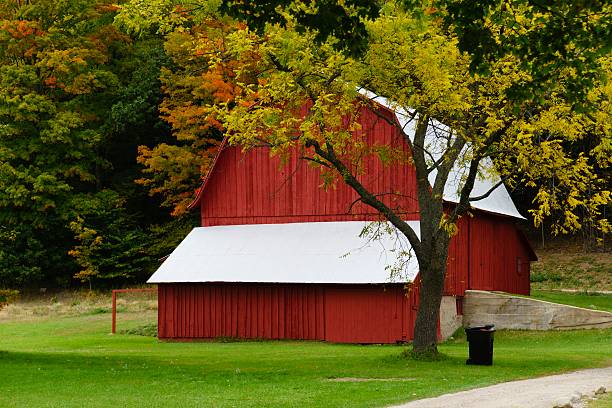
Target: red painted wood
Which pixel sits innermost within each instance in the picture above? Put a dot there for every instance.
(498, 256)
(254, 188)
(488, 253)
(457, 265)
(336, 313)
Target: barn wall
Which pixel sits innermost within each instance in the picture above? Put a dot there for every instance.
(457, 264)
(498, 257)
(336, 313)
(487, 253)
(253, 188)
(369, 314)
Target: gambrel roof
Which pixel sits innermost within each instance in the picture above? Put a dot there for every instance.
(497, 202)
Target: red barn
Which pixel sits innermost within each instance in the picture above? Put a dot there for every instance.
(279, 257)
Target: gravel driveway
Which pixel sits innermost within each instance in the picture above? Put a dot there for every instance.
(564, 390)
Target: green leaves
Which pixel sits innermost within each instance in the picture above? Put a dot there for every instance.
(110, 245)
(76, 98)
(549, 39)
(327, 19)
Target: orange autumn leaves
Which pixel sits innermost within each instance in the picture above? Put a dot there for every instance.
(68, 67)
(202, 75)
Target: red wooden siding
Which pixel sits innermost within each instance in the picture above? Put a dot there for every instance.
(488, 253)
(336, 313)
(253, 188)
(456, 281)
(498, 256)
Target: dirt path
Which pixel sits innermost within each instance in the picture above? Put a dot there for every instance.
(563, 390)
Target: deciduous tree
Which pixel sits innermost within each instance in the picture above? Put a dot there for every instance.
(192, 83)
(51, 84)
(77, 96)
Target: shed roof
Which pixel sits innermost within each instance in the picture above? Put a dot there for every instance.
(316, 252)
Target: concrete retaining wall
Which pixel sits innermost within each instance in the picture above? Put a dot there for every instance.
(513, 312)
(450, 321)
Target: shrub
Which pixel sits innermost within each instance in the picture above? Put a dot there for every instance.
(149, 330)
(6, 296)
(545, 276)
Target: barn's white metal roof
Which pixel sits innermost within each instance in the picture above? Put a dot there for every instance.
(499, 201)
(316, 252)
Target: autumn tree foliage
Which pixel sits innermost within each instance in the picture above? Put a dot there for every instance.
(77, 96)
(49, 89)
(193, 83)
(545, 37)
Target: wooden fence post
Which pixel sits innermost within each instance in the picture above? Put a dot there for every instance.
(114, 307)
(114, 328)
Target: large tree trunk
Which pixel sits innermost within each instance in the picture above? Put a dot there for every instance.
(432, 272)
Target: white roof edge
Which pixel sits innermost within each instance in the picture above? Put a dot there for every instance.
(498, 202)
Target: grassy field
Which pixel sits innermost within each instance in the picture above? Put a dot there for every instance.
(567, 266)
(56, 351)
(587, 300)
(564, 265)
(71, 360)
(604, 401)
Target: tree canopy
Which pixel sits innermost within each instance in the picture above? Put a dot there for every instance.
(77, 96)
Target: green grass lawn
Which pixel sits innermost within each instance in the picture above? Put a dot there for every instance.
(581, 299)
(604, 401)
(74, 362)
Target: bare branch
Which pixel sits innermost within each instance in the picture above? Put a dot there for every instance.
(315, 160)
(449, 157)
(382, 195)
(464, 198)
(488, 193)
(393, 122)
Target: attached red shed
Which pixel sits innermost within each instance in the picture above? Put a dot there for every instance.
(276, 254)
(314, 281)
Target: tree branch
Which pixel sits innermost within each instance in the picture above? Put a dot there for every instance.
(488, 193)
(315, 160)
(380, 195)
(368, 198)
(464, 198)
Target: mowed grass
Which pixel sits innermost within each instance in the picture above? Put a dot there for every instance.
(601, 401)
(73, 361)
(596, 301)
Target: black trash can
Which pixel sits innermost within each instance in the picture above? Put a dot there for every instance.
(480, 341)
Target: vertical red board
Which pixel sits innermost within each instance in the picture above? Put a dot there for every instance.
(457, 264)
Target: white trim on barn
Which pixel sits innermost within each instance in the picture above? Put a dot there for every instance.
(498, 202)
(314, 252)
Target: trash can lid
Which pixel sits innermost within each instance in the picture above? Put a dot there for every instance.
(487, 327)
